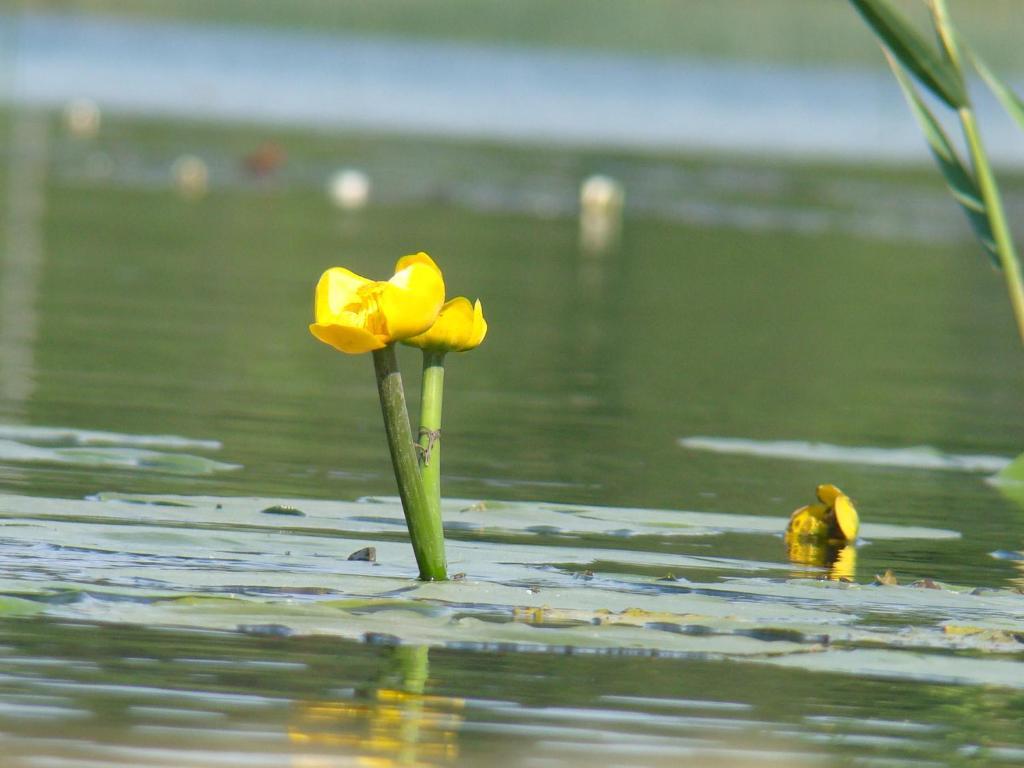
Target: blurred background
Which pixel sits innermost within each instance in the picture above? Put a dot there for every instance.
(701, 218)
(719, 268)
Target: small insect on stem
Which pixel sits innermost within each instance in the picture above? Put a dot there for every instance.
(432, 435)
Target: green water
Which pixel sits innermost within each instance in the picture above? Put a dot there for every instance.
(745, 300)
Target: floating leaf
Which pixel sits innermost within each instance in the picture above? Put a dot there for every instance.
(15, 606)
(69, 436)
(914, 457)
(142, 459)
(959, 180)
(281, 509)
(113, 457)
(220, 563)
(1012, 473)
(933, 70)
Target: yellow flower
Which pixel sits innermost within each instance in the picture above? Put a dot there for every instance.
(459, 327)
(356, 315)
(809, 522)
(834, 518)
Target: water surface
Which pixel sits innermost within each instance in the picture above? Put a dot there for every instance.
(161, 391)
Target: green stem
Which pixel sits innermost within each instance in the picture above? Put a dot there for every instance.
(996, 216)
(424, 526)
(986, 179)
(431, 396)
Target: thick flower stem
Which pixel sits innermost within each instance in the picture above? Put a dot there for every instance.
(424, 524)
(431, 396)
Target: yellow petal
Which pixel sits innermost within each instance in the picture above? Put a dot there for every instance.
(459, 327)
(479, 326)
(336, 293)
(451, 329)
(411, 300)
(846, 517)
(827, 494)
(809, 522)
(345, 338)
(415, 258)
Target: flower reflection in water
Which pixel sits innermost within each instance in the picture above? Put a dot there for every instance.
(838, 556)
(395, 724)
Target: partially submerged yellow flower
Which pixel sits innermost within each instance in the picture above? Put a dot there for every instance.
(809, 522)
(827, 494)
(834, 518)
(459, 327)
(356, 315)
(846, 517)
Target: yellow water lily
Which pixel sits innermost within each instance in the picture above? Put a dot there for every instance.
(356, 315)
(834, 517)
(459, 327)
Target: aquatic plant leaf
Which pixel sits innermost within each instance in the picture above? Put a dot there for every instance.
(465, 519)
(894, 664)
(986, 634)
(1011, 477)
(144, 459)
(960, 181)
(69, 436)
(16, 606)
(1012, 472)
(933, 70)
(1012, 103)
(914, 457)
(220, 563)
(115, 457)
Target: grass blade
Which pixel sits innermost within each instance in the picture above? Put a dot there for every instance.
(1011, 102)
(935, 72)
(959, 180)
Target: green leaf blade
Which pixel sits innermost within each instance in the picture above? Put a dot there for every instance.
(1012, 103)
(934, 71)
(958, 178)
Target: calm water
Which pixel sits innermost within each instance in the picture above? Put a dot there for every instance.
(745, 301)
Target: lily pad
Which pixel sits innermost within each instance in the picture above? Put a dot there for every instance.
(914, 457)
(221, 563)
(119, 457)
(68, 436)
